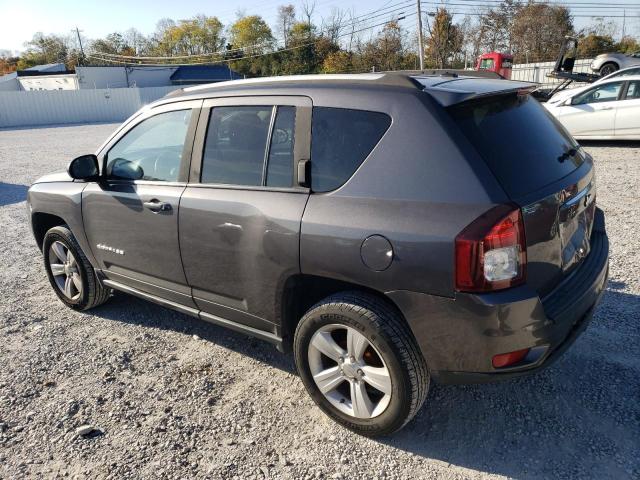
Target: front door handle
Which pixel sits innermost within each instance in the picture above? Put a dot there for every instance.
(605, 108)
(156, 206)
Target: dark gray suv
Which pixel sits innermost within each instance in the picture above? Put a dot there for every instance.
(388, 228)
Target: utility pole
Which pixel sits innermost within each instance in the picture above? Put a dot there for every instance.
(420, 44)
(80, 43)
(624, 22)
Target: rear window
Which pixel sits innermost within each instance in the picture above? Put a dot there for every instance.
(341, 140)
(524, 146)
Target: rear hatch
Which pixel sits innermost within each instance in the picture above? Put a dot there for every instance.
(543, 170)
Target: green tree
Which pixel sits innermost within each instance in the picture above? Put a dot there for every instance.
(195, 36)
(250, 37)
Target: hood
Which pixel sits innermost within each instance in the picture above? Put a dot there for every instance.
(54, 177)
(610, 55)
(564, 94)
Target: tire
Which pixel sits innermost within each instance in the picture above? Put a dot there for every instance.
(608, 68)
(74, 281)
(347, 319)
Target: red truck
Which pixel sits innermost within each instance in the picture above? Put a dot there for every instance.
(500, 63)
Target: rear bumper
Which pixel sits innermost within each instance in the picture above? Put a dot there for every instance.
(459, 336)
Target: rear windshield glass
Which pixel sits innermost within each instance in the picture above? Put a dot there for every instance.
(521, 142)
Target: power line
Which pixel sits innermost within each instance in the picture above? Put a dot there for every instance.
(352, 23)
(97, 57)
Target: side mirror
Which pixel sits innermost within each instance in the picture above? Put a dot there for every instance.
(84, 167)
(125, 170)
(567, 102)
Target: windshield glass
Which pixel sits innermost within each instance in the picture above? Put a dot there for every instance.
(524, 146)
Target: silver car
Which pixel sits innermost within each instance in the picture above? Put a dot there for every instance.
(608, 63)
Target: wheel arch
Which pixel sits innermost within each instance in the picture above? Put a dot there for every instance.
(42, 222)
(302, 291)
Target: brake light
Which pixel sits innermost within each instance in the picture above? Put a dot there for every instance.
(491, 252)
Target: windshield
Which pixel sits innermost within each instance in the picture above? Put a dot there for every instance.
(524, 146)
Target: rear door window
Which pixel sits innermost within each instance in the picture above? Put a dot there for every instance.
(235, 145)
(524, 146)
(341, 140)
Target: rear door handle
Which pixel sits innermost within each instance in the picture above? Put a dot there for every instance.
(156, 206)
(605, 108)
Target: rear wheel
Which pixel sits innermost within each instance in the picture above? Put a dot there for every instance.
(360, 363)
(608, 68)
(70, 273)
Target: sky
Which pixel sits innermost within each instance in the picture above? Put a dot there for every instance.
(20, 19)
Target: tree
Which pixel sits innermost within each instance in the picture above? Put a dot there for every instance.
(338, 62)
(628, 45)
(286, 18)
(445, 39)
(592, 45)
(195, 36)
(385, 52)
(538, 31)
(43, 49)
(250, 36)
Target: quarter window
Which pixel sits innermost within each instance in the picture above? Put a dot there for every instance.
(633, 91)
(342, 139)
(152, 150)
(606, 93)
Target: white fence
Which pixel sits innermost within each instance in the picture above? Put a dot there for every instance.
(537, 72)
(49, 107)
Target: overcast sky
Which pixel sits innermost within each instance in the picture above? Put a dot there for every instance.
(20, 19)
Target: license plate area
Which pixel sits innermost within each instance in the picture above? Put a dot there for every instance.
(575, 222)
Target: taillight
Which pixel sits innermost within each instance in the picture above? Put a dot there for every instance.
(491, 252)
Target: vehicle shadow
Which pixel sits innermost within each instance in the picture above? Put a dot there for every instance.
(121, 306)
(610, 143)
(579, 418)
(12, 193)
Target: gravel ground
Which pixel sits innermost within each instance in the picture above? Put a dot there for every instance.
(170, 396)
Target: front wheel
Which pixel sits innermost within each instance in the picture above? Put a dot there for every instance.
(360, 363)
(70, 273)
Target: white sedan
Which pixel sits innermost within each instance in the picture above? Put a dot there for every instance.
(607, 110)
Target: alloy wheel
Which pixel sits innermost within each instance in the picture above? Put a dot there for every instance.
(65, 270)
(349, 371)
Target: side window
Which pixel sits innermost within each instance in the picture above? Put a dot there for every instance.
(235, 145)
(633, 91)
(486, 64)
(280, 166)
(152, 150)
(606, 93)
(341, 140)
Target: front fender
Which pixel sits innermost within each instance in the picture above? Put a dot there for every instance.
(63, 200)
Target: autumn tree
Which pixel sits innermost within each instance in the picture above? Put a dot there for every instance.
(592, 45)
(538, 31)
(445, 39)
(43, 49)
(386, 51)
